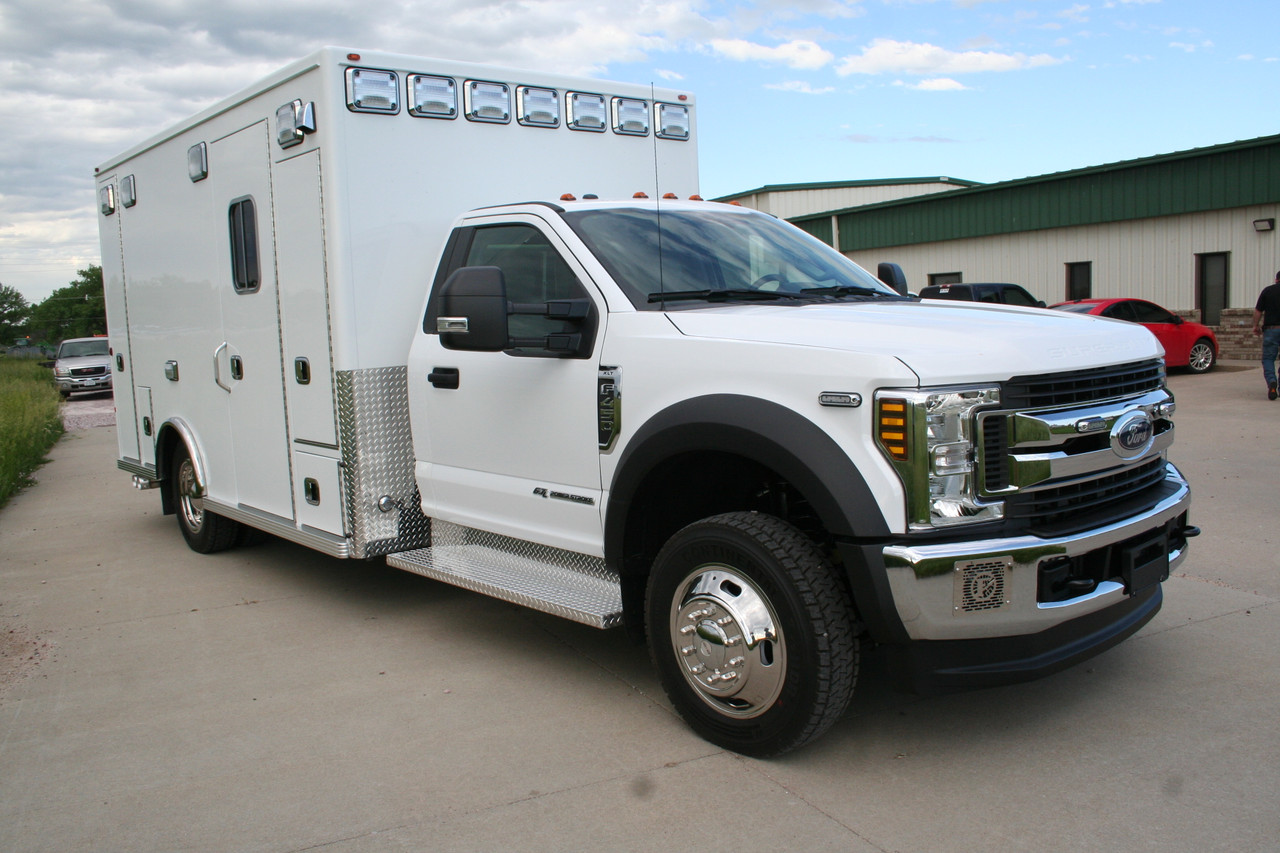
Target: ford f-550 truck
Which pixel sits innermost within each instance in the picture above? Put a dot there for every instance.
(478, 322)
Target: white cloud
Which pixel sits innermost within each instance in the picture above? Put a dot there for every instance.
(801, 53)
(801, 87)
(940, 84)
(1075, 14)
(898, 57)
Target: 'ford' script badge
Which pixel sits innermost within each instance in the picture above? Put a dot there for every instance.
(1132, 434)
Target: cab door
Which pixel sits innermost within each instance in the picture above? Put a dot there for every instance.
(508, 441)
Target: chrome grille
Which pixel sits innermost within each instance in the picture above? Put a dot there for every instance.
(1050, 477)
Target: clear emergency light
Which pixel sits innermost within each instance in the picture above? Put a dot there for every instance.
(293, 120)
(198, 162)
(671, 121)
(128, 191)
(585, 111)
(630, 117)
(370, 91)
(488, 101)
(433, 97)
(537, 107)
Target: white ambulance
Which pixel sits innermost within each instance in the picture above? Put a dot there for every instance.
(478, 322)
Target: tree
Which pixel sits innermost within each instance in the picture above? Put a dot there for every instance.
(75, 311)
(14, 310)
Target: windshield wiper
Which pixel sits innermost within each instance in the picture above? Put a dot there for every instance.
(720, 295)
(849, 290)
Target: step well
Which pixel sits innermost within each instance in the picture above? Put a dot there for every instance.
(564, 583)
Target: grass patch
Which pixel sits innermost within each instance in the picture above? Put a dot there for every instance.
(29, 421)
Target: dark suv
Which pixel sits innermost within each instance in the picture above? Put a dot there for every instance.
(1005, 294)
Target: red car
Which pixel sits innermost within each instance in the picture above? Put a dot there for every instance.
(1186, 343)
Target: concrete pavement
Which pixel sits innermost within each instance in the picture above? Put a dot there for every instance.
(270, 698)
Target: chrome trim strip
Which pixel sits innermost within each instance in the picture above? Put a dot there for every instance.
(1049, 428)
(319, 540)
(1030, 472)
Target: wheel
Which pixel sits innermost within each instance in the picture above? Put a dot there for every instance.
(205, 532)
(751, 633)
(65, 393)
(1201, 358)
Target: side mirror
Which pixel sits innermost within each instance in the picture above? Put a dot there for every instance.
(473, 310)
(892, 275)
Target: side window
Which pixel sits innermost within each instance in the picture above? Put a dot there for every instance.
(1018, 296)
(1148, 313)
(1119, 311)
(533, 270)
(246, 275)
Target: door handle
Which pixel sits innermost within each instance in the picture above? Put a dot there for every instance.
(217, 368)
(444, 377)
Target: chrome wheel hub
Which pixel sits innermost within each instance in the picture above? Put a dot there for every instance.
(189, 491)
(728, 642)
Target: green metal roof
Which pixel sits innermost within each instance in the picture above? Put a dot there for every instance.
(1234, 174)
(838, 185)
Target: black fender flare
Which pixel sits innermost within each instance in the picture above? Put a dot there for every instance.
(763, 431)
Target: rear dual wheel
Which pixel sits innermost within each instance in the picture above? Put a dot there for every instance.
(206, 532)
(752, 633)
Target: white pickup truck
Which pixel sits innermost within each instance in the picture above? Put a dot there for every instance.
(616, 402)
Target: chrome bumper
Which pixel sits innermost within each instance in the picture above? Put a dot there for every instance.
(988, 588)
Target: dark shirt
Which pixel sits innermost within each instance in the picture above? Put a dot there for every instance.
(1269, 305)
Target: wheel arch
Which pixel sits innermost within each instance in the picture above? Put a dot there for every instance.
(660, 483)
(173, 432)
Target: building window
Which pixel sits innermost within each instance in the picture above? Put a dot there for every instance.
(1080, 280)
(243, 221)
(1212, 286)
(938, 278)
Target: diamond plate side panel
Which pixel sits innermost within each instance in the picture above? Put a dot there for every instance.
(567, 584)
(377, 457)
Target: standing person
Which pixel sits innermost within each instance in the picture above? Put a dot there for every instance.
(1266, 322)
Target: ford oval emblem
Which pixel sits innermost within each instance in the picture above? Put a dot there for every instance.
(1132, 434)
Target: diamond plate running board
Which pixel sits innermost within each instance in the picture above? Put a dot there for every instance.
(563, 583)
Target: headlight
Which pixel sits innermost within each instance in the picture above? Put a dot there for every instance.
(930, 437)
(61, 372)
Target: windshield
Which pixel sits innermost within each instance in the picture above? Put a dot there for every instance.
(1078, 308)
(77, 349)
(717, 256)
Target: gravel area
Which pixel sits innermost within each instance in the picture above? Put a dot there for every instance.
(85, 411)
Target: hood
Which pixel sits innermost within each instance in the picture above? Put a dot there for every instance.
(942, 342)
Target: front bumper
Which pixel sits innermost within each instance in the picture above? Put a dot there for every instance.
(86, 383)
(969, 614)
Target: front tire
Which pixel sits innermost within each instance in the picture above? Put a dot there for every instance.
(1202, 357)
(205, 532)
(751, 633)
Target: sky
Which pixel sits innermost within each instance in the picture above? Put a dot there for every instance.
(788, 91)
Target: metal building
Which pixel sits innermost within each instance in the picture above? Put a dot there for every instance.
(1194, 230)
